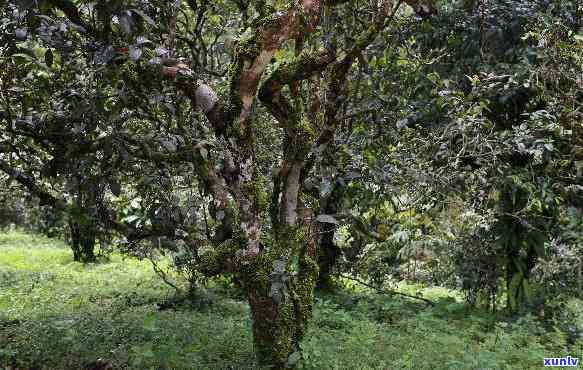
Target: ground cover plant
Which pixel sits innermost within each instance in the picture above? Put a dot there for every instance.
(56, 313)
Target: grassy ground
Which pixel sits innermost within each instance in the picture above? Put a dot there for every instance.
(58, 314)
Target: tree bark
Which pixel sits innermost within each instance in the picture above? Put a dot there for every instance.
(278, 275)
(327, 257)
(328, 250)
(279, 283)
(82, 241)
(281, 302)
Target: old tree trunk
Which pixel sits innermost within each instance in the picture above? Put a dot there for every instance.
(82, 240)
(82, 221)
(278, 272)
(277, 260)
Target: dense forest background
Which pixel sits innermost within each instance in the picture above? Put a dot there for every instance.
(354, 160)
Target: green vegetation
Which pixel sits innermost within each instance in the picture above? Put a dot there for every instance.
(59, 314)
(236, 182)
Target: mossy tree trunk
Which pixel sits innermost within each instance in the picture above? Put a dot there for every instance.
(82, 241)
(82, 225)
(281, 295)
(278, 273)
(279, 282)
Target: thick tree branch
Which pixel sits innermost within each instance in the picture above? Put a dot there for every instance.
(203, 97)
(250, 61)
(254, 54)
(46, 198)
(336, 91)
(305, 66)
(212, 181)
(298, 138)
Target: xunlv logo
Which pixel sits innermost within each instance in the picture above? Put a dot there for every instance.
(562, 361)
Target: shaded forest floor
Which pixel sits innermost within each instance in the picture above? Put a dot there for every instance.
(59, 314)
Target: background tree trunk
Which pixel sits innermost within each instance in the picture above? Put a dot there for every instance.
(82, 241)
(83, 228)
(328, 251)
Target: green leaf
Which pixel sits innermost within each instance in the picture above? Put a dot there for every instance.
(49, 58)
(132, 218)
(203, 152)
(293, 358)
(24, 56)
(135, 53)
(149, 322)
(327, 219)
(146, 17)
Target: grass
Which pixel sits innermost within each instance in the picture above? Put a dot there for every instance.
(59, 314)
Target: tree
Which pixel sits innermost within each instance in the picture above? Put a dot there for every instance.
(269, 241)
(488, 128)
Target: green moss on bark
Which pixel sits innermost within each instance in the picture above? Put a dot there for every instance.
(218, 260)
(255, 189)
(279, 324)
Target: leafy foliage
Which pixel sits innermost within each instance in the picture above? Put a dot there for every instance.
(281, 146)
